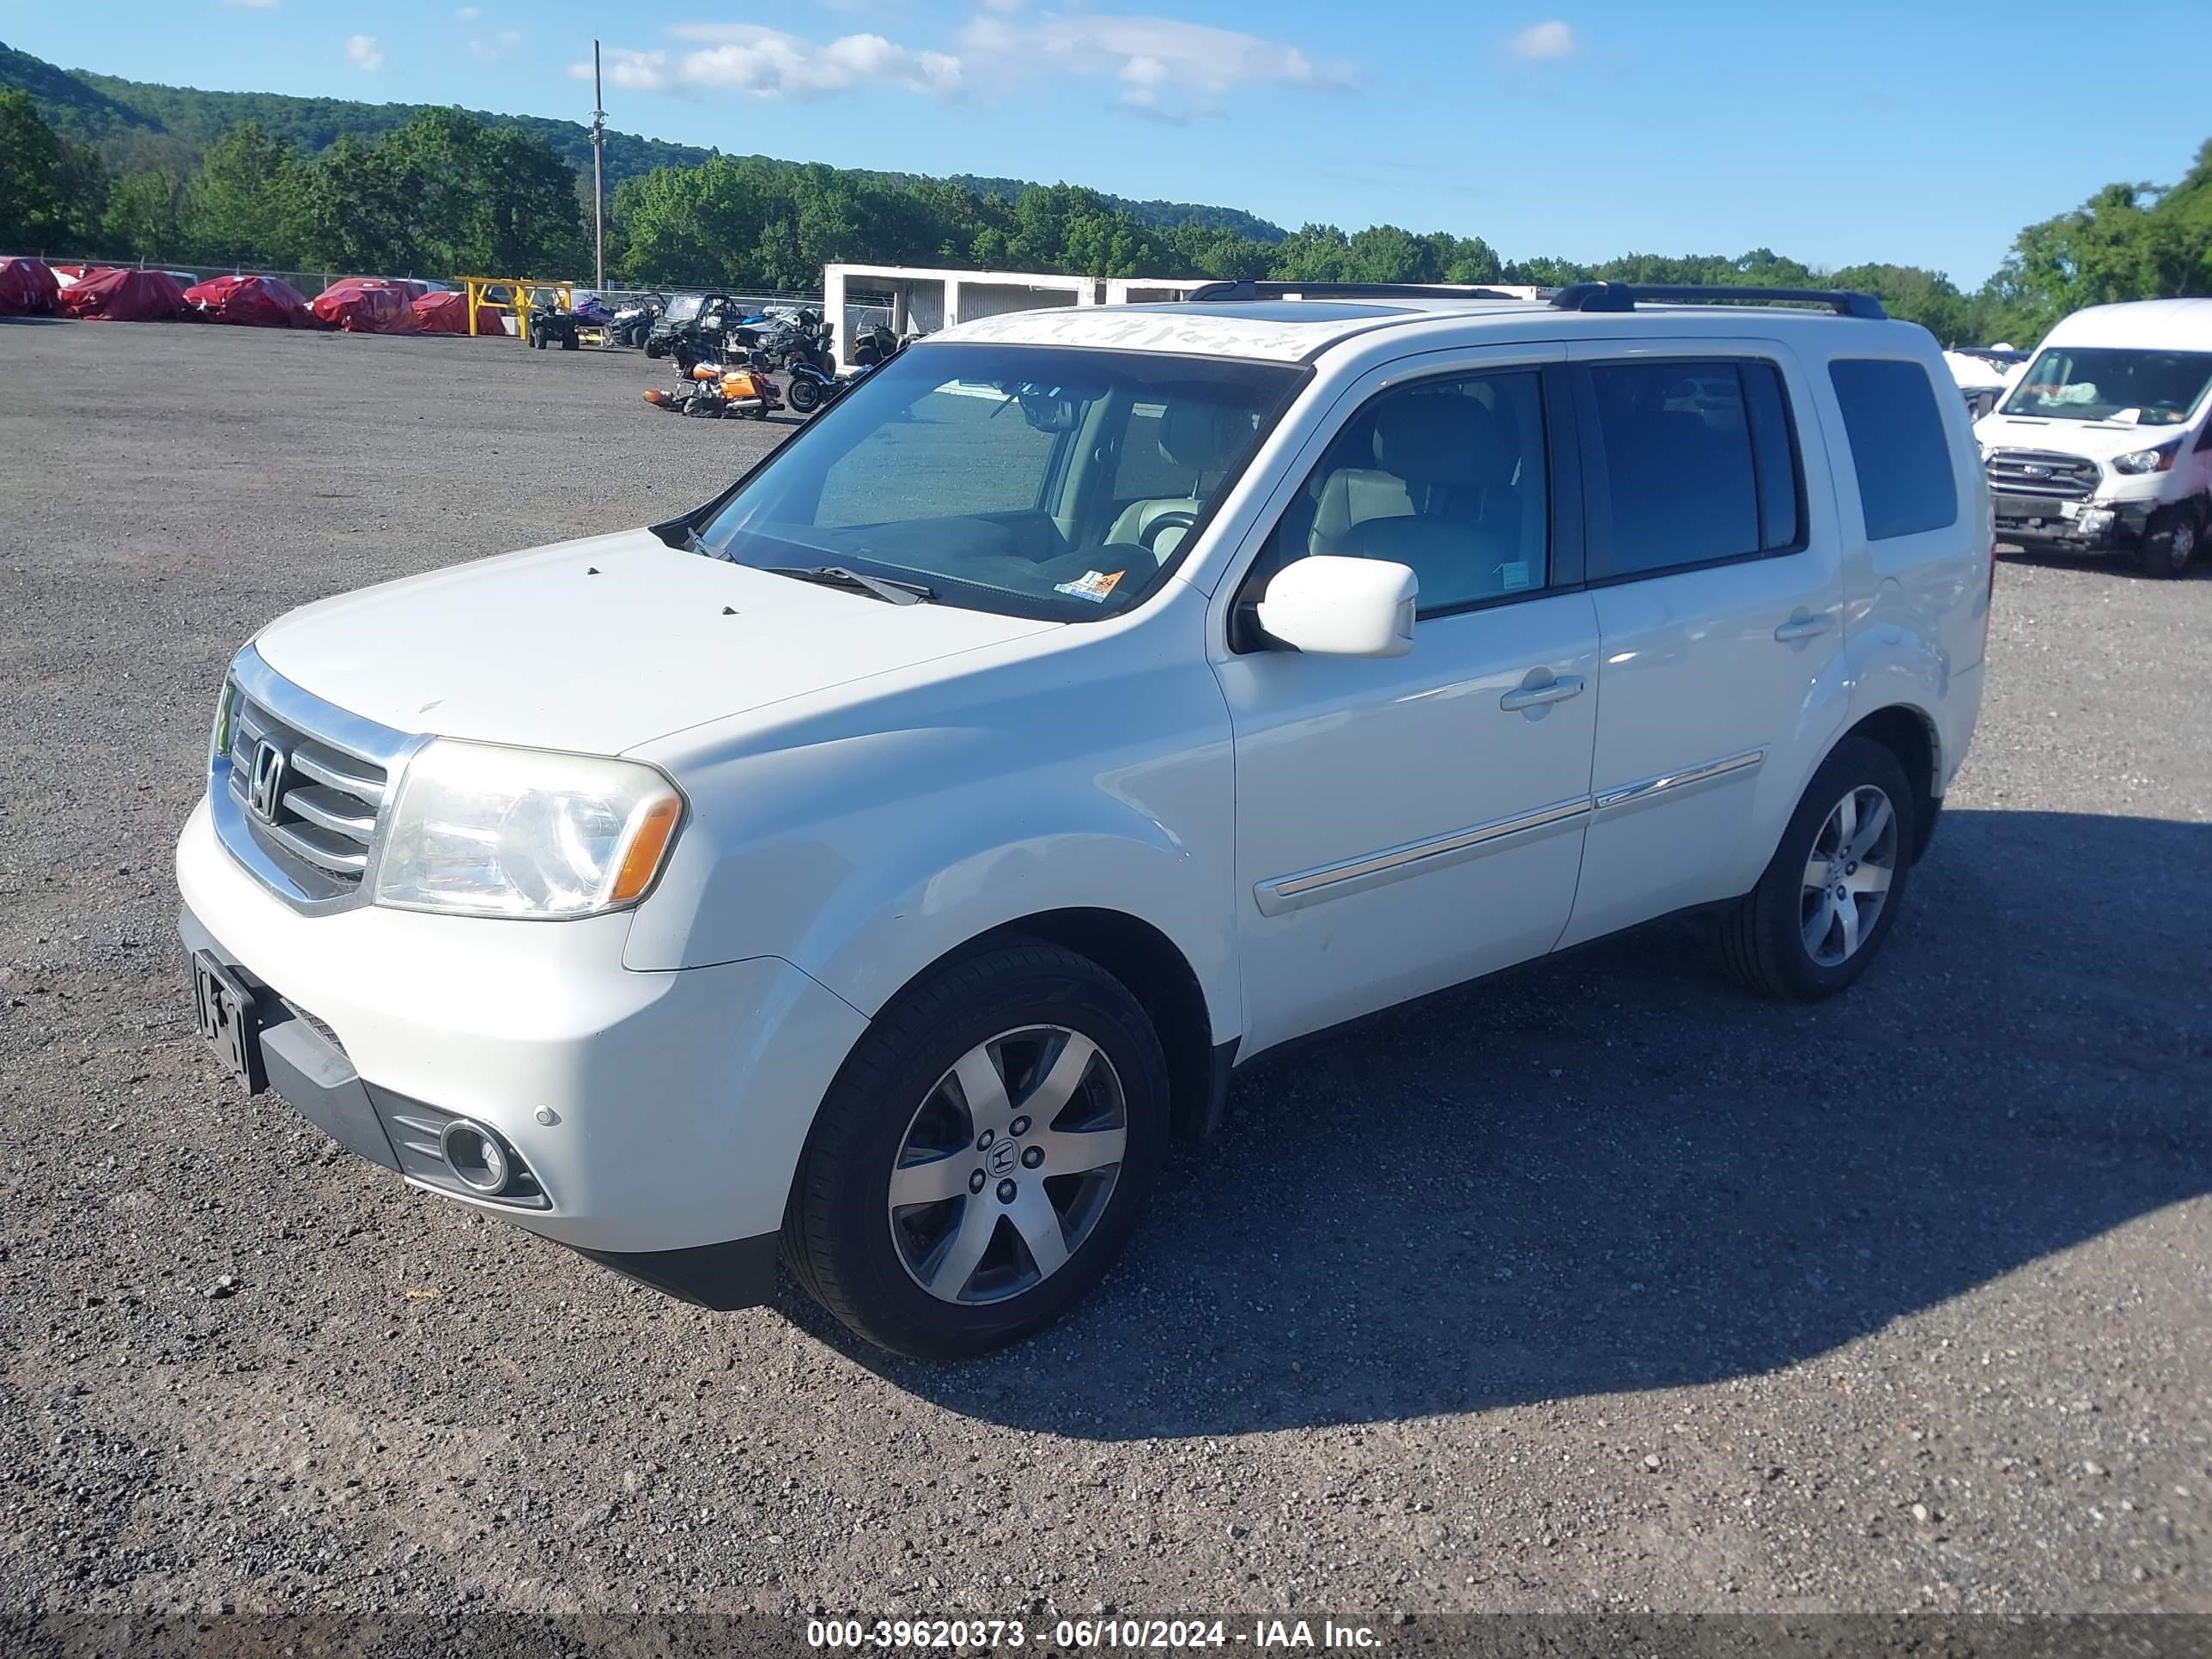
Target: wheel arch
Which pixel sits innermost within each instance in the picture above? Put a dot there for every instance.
(1913, 738)
(1155, 972)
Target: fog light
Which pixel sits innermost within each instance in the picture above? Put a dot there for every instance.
(474, 1156)
(2096, 521)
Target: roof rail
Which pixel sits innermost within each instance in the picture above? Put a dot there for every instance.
(1246, 289)
(1626, 296)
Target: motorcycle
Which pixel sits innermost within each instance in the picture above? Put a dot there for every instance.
(815, 384)
(711, 390)
(812, 366)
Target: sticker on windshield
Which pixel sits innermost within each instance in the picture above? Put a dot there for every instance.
(1513, 576)
(1092, 584)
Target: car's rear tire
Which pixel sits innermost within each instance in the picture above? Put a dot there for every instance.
(2169, 542)
(983, 1154)
(1799, 938)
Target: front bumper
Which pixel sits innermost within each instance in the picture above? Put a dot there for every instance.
(2094, 527)
(662, 1114)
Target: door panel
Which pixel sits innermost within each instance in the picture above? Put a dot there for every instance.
(1397, 830)
(1405, 823)
(1715, 683)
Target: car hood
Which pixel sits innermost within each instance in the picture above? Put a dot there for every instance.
(598, 646)
(2097, 441)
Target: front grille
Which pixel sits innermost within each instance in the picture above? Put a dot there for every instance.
(2042, 472)
(298, 786)
(312, 807)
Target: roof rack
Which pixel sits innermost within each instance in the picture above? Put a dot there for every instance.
(1245, 289)
(1626, 296)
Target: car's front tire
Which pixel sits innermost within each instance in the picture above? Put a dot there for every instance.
(983, 1155)
(1831, 893)
(2169, 542)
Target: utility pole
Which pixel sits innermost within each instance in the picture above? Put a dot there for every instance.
(598, 176)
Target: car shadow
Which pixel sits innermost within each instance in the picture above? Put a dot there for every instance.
(1613, 1171)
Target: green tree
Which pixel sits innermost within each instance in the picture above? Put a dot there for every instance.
(244, 205)
(51, 192)
(1926, 297)
(142, 216)
(2120, 245)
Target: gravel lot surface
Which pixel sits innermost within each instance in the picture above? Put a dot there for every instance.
(1595, 1287)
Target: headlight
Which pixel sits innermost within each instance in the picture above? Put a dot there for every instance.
(2148, 460)
(522, 832)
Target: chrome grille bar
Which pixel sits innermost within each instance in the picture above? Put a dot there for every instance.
(2047, 473)
(297, 796)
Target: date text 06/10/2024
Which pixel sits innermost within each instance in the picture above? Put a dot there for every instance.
(1084, 1634)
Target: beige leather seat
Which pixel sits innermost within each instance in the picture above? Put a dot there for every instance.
(1439, 498)
(1205, 439)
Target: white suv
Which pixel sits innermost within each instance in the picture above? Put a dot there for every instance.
(874, 867)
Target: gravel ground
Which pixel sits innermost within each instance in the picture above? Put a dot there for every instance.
(1595, 1287)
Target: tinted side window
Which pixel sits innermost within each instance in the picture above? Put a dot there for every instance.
(1898, 446)
(1447, 477)
(1700, 465)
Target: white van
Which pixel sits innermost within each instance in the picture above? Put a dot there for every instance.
(2105, 442)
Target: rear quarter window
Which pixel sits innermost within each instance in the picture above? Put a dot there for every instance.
(1898, 451)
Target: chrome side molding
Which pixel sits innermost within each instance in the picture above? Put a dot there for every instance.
(1630, 796)
(1357, 875)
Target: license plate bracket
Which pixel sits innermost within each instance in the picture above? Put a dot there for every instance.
(223, 1009)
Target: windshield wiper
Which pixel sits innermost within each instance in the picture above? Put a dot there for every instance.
(836, 575)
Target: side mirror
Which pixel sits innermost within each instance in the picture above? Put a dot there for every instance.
(1340, 607)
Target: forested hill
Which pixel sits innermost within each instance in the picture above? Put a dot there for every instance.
(136, 126)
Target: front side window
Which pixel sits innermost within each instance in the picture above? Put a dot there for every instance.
(1446, 477)
(1699, 463)
(1044, 481)
(1898, 452)
(2137, 388)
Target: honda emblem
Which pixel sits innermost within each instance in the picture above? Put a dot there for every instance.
(265, 789)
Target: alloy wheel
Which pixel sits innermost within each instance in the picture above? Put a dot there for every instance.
(1848, 875)
(1007, 1164)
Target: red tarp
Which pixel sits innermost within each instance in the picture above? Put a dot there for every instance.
(368, 305)
(28, 288)
(448, 313)
(255, 302)
(124, 296)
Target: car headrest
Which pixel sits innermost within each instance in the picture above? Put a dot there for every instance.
(1442, 438)
(1205, 436)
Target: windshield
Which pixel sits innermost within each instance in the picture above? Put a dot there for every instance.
(684, 307)
(1040, 480)
(2135, 388)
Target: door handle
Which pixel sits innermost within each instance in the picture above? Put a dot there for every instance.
(1532, 696)
(1802, 627)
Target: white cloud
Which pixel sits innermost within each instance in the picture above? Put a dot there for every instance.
(492, 46)
(765, 62)
(365, 52)
(468, 14)
(634, 71)
(1003, 5)
(1543, 43)
(1158, 61)
(249, 5)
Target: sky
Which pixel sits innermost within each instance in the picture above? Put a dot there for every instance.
(1919, 134)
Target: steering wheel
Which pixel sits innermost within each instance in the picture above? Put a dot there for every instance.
(1151, 532)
